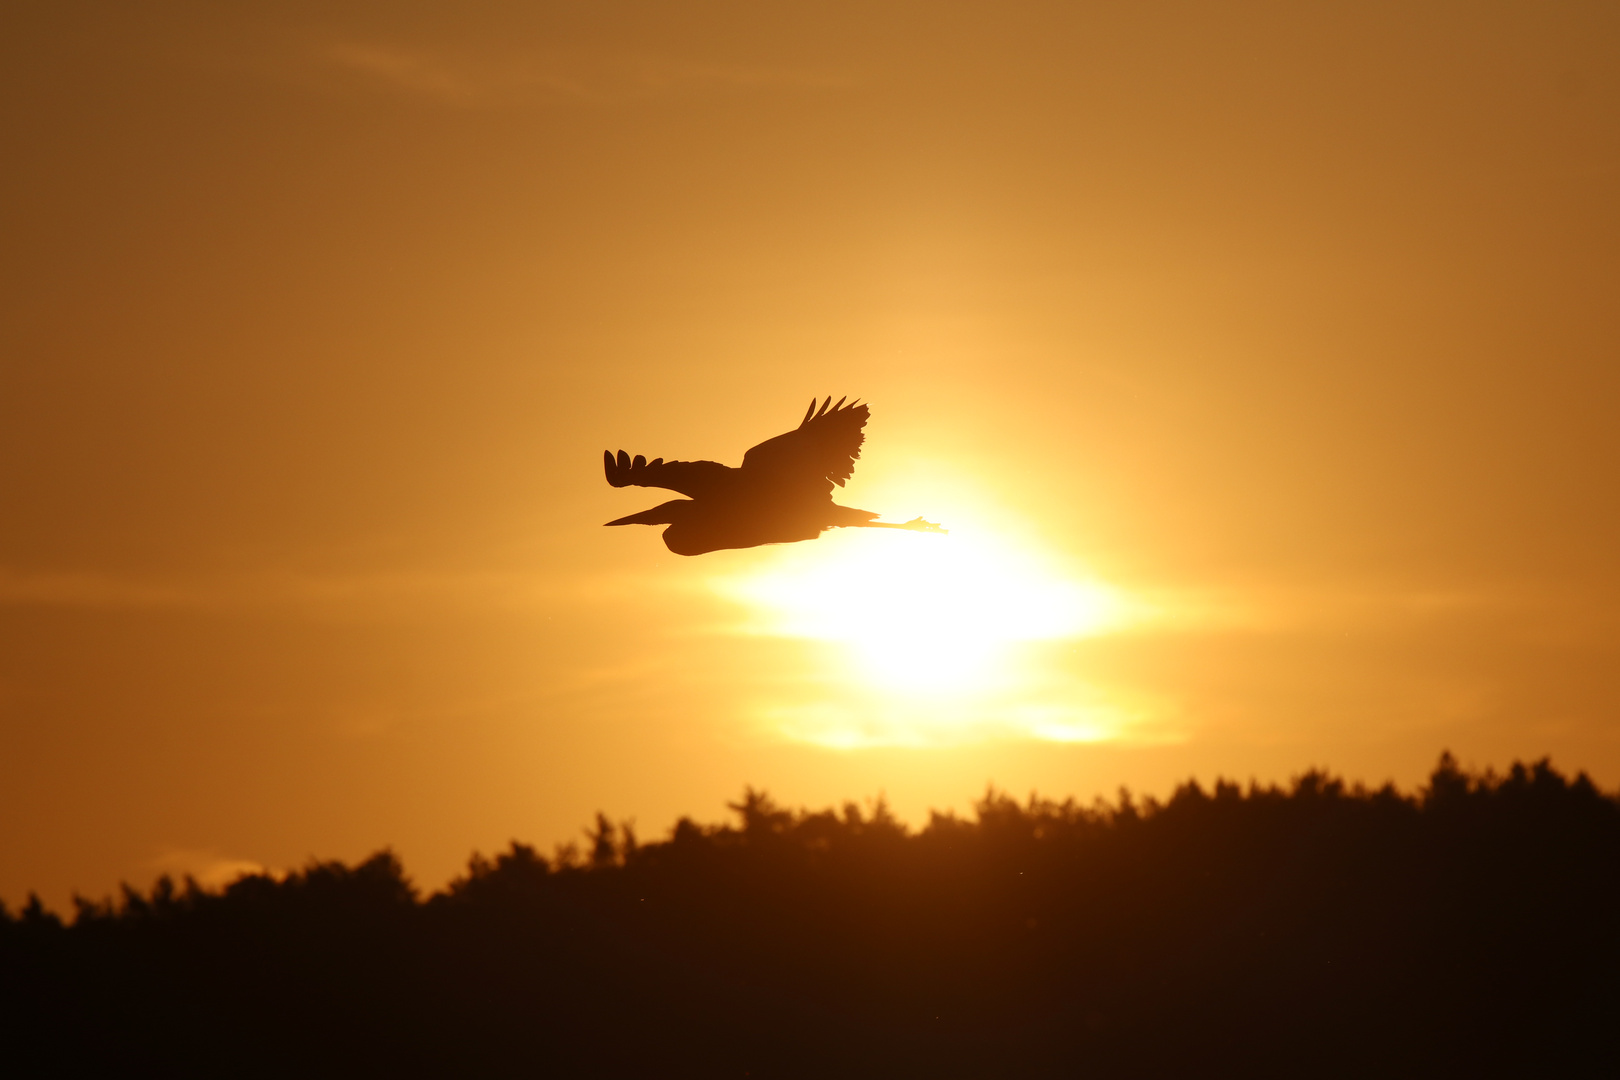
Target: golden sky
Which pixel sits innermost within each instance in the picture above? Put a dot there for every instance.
(1262, 359)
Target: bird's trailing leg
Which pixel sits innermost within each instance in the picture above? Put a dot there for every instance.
(914, 525)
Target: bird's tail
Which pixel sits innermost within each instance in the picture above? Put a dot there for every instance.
(662, 514)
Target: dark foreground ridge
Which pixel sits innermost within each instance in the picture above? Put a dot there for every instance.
(1469, 929)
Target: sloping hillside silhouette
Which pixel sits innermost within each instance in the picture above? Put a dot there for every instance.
(1319, 930)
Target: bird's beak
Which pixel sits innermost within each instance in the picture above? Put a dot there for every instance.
(655, 516)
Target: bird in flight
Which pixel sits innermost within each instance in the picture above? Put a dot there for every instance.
(781, 494)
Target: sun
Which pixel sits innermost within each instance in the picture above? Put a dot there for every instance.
(924, 615)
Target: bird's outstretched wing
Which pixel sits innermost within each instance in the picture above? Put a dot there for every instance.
(821, 450)
(695, 479)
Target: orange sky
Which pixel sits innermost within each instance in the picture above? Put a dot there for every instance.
(1292, 328)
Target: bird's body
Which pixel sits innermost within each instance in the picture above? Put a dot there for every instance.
(782, 493)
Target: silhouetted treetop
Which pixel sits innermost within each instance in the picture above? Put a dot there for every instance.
(1465, 927)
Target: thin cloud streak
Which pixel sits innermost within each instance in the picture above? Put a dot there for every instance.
(474, 80)
(313, 594)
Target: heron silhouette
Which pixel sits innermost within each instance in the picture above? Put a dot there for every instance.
(781, 494)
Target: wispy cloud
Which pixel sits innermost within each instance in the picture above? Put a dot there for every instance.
(21, 589)
(457, 81)
(844, 717)
(487, 78)
(312, 593)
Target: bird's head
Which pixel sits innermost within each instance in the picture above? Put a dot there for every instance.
(670, 513)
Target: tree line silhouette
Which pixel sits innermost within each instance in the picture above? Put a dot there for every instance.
(1322, 930)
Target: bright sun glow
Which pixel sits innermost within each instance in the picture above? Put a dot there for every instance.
(925, 614)
(935, 626)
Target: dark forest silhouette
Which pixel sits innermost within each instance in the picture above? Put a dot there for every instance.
(781, 494)
(1322, 930)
